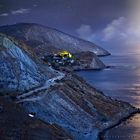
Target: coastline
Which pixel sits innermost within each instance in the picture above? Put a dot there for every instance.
(92, 69)
(118, 122)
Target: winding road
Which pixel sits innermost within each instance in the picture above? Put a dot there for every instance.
(47, 85)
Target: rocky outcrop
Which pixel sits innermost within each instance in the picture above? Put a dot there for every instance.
(87, 60)
(17, 125)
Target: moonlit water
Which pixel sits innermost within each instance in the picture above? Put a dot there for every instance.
(121, 81)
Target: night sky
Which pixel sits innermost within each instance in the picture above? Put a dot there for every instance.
(94, 20)
(65, 15)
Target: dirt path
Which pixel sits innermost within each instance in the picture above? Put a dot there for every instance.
(48, 83)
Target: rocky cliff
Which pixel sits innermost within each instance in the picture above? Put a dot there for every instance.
(87, 60)
(19, 69)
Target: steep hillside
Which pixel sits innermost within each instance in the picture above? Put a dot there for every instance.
(24, 127)
(60, 99)
(19, 69)
(47, 39)
(78, 108)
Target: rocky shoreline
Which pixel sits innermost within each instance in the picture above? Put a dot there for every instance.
(123, 119)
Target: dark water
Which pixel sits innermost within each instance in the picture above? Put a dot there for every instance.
(121, 81)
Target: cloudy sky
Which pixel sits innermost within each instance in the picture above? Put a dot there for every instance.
(100, 21)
